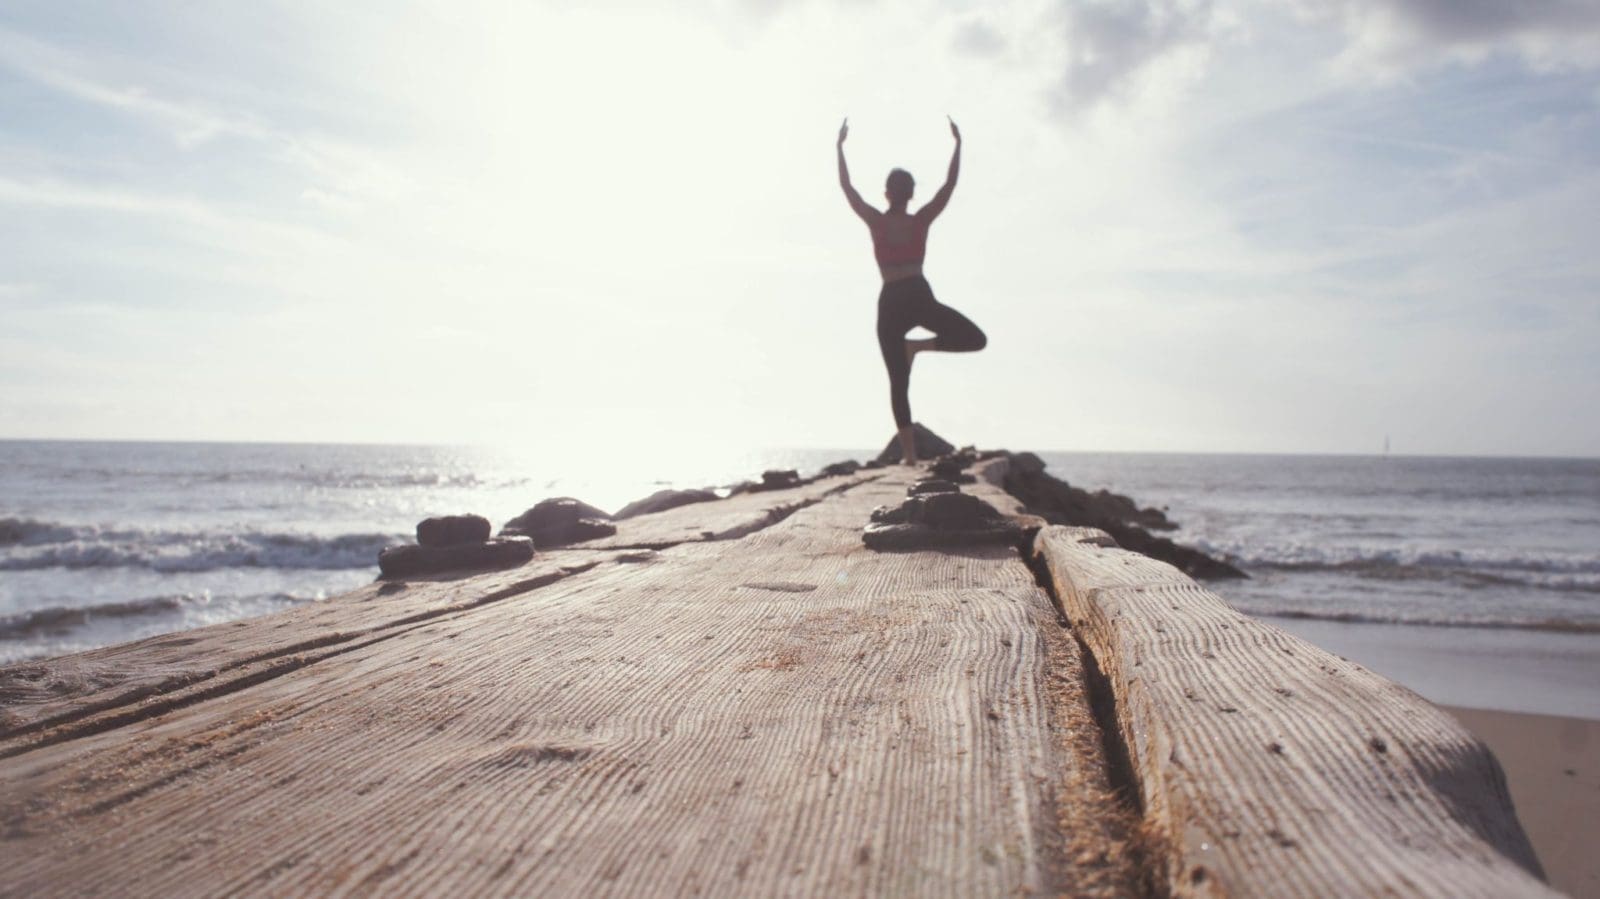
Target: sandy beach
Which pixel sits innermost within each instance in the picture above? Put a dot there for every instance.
(1553, 766)
(1537, 672)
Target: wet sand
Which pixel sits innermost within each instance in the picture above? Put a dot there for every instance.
(1553, 766)
(1537, 672)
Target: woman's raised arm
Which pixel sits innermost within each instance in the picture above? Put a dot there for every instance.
(940, 199)
(856, 203)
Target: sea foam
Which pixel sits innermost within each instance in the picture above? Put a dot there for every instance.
(27, 544)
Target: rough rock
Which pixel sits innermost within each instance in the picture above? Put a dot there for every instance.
(1117, 504)
(452, 530)
(952, 467)
(932, 485)
(938, 516)
(662, 500)
(929, 445)
(848, 466)
(780, 479)
(559, 521)
(1025, 463)
(412, 559)
(1058, 502)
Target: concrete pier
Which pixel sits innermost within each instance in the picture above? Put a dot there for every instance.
(738, 698)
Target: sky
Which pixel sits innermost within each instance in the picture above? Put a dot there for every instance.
(1185, 225)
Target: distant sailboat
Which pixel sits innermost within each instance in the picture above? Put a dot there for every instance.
(1386, 444)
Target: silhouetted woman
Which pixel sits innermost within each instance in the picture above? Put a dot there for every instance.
(899, 239)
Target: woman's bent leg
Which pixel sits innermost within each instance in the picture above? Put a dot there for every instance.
(954, 332)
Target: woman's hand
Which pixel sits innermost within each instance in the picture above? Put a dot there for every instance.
(954, 131)
(844, 131)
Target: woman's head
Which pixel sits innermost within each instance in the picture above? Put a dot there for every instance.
(899, 187)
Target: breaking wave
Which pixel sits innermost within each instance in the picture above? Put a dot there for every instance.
(27, 531)
(55, 621)
(29, 544)
(1553, 625)
(1547, 570)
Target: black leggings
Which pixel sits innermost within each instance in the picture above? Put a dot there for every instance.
(906, 304)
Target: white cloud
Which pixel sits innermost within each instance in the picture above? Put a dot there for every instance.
(1111, 52)
(1111, 43)
(597, 213)
(976, 35)
(208, 222)
(1461, 23)
(1391, 37)
(338, 168)
(330, 201)
(46, 64)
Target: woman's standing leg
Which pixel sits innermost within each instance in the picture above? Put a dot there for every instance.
(893, 323)
(892, 342)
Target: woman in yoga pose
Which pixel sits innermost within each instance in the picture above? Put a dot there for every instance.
(899, 239)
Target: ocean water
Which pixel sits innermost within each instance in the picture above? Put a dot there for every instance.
(102, 542)
(1495, 543)
(105, 542)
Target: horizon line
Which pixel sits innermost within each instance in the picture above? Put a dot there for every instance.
(503, 446)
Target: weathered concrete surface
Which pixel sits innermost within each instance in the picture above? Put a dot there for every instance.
(1271, 767)
(787, 713)
(739, 698)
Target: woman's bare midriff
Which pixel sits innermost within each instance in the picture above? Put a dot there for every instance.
(900, 272)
